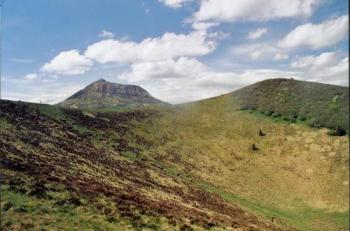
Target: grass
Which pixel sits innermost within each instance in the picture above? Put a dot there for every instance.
(211, 142)
(299, 174)
(23, 212)
(321, 104)
(302, 217)
(50, 111)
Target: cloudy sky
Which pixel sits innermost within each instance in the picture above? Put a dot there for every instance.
(179, 50)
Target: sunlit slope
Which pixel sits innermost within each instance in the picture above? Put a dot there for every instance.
(77, 170)
(198, 166)
(317, 104)
(299, 174)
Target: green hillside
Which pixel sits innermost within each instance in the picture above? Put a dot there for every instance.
(184, 167)
(319, 105)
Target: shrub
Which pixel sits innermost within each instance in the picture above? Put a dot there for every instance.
(285, 118)
(314, 123)
(268, 112)
(302, 118)
(254, 147)
(294, 115)
(338, 132)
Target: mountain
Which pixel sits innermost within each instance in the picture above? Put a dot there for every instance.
(103, 95)
(317, 104)
(206, 165)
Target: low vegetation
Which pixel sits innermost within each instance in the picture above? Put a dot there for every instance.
(186, 167)
(318, 105)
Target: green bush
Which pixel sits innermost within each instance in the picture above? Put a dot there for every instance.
(268, 112)
(276, 114)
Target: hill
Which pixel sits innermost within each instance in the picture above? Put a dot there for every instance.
(185, 167)
(103, 95)
(319, 105)
(74, 170)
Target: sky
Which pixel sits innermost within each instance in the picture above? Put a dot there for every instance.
(178, 50)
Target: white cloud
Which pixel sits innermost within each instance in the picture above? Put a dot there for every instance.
(168, 46)
(68, 63)
(317, 36)
(187, 79)
(256, 51)
(253, 10)
(328, 67)
(324, 59)
(106, 34)
(203, 25)
(31, 76)
(254, 35)
(46, 92)
(174, 3)
(280, 56)
(181, 68)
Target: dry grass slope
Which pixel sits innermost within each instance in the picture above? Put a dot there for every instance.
(187, 167)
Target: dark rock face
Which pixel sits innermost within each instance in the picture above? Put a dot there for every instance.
(104, 94)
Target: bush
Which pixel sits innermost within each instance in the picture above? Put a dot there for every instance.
(314, 123)
(268, 112)
(294, 115)
(338, 132)
(302, 118)
(285, 118)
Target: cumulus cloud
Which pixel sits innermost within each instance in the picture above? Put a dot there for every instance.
(168, 46)
(180, 68)
(324, 59)
(254, 35)
(187, 79)
(257, 51)
(174, 3)
(317, 36)
(68, 63)
(106, 34)
(328, 67)
(203, 25)
(253, 10)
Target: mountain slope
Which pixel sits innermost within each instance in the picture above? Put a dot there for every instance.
(299, 175)
(73, 170)
(185, 167)
(320, 105)
(103, 94)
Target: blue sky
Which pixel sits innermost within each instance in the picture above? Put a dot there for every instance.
(179, 50)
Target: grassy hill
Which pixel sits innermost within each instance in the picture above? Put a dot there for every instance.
(74, 170)
(319, 105)
(185, 167)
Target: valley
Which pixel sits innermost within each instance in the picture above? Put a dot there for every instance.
(216, 164)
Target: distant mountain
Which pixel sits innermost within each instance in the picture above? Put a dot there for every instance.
(103, 94)
(319, 105)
